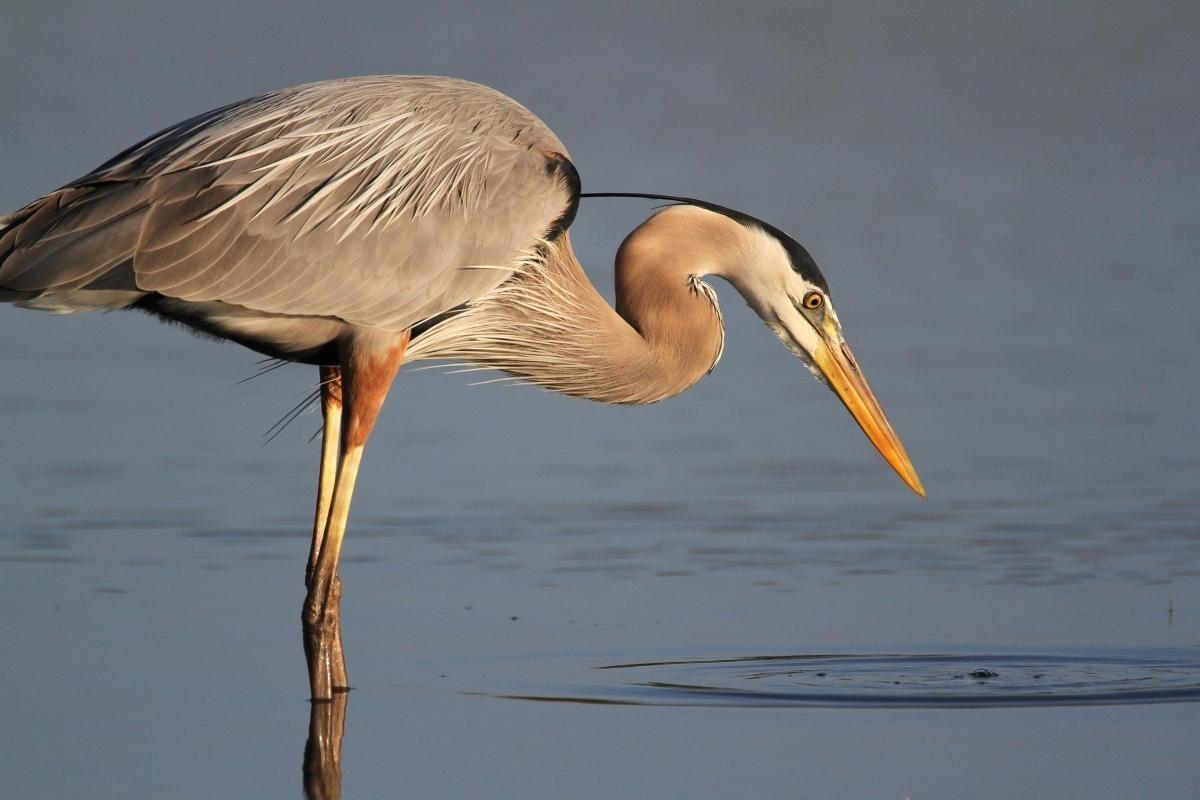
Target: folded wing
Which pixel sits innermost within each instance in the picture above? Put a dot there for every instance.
(369, 200)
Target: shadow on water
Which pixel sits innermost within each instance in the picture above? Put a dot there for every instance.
(942, 680)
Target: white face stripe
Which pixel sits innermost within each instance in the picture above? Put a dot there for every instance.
(762, 273)
(757, 265)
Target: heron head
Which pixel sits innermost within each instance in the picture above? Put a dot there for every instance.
(781, 282)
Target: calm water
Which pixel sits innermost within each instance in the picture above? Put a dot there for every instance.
(723, 595)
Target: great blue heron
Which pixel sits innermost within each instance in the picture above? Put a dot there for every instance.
(365, 223)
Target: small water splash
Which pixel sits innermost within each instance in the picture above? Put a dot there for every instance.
(900, 680)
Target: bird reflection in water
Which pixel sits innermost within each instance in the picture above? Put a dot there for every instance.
(323, 750)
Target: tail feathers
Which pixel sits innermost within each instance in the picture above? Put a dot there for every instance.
(10, 234)
(74, 301)
(69, 252)
(10, 296)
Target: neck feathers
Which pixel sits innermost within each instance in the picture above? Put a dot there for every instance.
(548, 325)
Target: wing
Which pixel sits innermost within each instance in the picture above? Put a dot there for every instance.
(370, 200)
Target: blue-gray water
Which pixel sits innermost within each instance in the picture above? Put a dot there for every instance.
(1003, 198)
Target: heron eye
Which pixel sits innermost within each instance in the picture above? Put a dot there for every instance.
(813, 301)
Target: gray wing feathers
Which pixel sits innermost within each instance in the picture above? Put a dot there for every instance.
(58, 242)
(363, 199)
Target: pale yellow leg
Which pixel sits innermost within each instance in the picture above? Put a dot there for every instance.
(335, 531)
(323, 634)
(366, 376)
(331, 410)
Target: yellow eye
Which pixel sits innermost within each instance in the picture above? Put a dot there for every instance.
(813, 301)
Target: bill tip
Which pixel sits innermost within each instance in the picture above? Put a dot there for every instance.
(918, 488)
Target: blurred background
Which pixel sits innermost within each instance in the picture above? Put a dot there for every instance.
(1003, 198)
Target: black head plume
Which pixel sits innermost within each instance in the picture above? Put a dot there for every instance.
(802, 262)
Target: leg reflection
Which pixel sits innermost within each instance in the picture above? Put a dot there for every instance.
(323, 750)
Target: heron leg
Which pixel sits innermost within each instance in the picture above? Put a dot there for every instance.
(331, 431)
(327, 656)
(368, 367)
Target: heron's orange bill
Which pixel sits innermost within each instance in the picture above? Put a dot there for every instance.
(837, 363)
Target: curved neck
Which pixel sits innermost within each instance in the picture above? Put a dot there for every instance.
(548, 325)
(660, 295)
(667, 320)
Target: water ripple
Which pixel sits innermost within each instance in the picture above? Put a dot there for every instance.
(900, 680)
